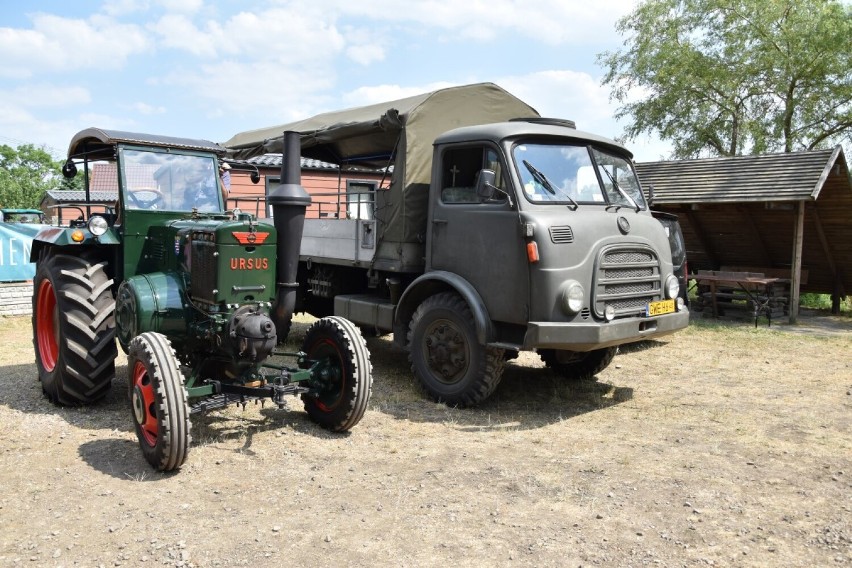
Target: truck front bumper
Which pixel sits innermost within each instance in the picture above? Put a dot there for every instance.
(596, 335)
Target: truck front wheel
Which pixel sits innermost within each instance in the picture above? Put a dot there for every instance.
(73, 328)
(448, 361)
(578, 365)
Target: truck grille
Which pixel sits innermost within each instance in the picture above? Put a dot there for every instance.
(626, 278)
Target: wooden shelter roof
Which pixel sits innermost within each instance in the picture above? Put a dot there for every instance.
(754, 211)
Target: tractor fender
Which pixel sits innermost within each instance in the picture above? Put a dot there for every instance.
(60, 237)
(432, 283)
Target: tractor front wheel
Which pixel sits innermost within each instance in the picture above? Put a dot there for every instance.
(73, 328)
(344, 375)
(158, 401)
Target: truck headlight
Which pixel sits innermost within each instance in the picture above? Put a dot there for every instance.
(672, 287)
(573, 296)
(98, 225)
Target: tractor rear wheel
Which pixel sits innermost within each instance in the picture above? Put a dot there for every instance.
(158, 401)
(73, 328)
(578, 365)
(345, 378)
(446, 356)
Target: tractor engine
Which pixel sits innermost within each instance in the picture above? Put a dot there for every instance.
(213, 296)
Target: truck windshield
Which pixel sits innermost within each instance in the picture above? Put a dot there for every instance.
(564, 174)
(169, 181)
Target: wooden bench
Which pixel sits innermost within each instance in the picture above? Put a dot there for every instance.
(740, 293)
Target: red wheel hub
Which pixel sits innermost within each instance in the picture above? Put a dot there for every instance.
(144, 404)
(47, 325)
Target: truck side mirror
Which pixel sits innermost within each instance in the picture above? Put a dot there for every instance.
(485, 188)
(650, 196)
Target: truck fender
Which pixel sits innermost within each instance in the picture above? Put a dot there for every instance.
(432, 283)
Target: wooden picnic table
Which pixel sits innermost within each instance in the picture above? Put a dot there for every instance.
(759, 289)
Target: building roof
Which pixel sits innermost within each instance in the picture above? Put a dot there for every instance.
(274, 161)
(792, 176)
(77, 196)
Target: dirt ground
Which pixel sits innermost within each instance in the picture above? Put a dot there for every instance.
(723, 445)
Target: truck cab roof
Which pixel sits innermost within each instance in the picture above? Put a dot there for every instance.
(528, 128)
(98, 143)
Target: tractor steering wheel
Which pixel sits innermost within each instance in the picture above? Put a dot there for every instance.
(147, 198)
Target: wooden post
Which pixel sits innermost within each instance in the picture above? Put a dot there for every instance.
(796, 276)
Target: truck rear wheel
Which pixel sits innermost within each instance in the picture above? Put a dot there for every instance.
(346, 377)
(73, 328)
(448, 361)
(158, 401)
(578, 365)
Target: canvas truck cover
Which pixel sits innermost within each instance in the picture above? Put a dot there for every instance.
(398, 133)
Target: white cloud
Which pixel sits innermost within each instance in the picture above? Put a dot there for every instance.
(147, 109)
(65, 45)
(550, 21)
(365, 54)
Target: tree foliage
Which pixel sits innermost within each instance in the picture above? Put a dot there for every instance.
(26, 172)
(728, 77)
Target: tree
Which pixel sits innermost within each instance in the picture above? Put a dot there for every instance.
(26, 173)
(727, 77)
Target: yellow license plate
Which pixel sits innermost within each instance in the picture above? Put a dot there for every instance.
(660, 308)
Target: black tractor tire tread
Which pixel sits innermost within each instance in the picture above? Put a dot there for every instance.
(357, 365)
(172, 449)
(489, 367)
(584, 369)
(85, 364)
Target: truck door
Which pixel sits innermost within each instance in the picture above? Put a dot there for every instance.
(478, 239)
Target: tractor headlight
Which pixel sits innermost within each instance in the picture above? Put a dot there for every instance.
(573, 296)
(672, 287)
(98, 225)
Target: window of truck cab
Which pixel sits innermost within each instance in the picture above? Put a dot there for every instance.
(460, 167)
(168, 180)
(564, 174)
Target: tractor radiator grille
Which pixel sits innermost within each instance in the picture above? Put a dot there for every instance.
(204, 274)
(626, 278)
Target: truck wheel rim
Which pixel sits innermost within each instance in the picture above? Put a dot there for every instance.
(144, 404)
(47, 326)
(446, 350)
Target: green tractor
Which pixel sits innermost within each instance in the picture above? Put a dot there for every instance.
(196, 296)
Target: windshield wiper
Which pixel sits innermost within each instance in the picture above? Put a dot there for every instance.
(545, 183)
(619, 190)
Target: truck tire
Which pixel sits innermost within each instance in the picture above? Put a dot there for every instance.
(578, 365)
(445, 356)
(73, 328)
(344, 390)
(158, 403)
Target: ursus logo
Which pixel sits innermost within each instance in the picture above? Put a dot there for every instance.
(248, 238)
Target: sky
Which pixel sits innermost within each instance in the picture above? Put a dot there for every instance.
(212, 68)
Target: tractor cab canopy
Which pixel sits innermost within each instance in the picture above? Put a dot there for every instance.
(99, 144)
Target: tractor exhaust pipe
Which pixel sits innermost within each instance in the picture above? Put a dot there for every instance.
(288, 201)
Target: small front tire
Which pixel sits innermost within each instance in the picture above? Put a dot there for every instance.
(158, 401)
(345, 374)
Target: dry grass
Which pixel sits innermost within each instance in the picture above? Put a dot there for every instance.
(721, 445)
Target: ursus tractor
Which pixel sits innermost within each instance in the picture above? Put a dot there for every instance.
(195, 295)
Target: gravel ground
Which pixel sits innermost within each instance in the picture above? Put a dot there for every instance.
(722, 445)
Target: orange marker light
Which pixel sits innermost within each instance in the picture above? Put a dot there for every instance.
(532, 252)
(77, 236)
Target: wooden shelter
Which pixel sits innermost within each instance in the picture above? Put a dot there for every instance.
(788, 214)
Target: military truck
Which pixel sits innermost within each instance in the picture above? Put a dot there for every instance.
(495, 231)
(188, 289)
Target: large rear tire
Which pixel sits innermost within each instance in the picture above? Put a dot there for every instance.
(346, 378)
(73, 328)
(448, 361)
(577, 365)
(158, 401)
